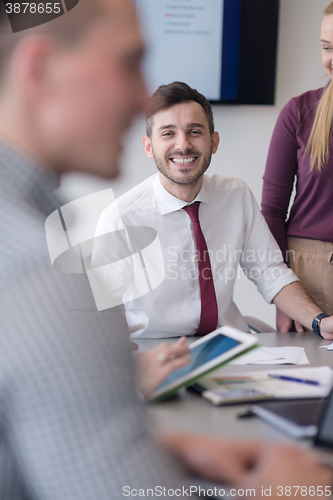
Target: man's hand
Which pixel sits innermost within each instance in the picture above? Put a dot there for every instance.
(251, 465)
(154, 366)
(281, 468)
(294, 301)
(214, 459)
(284, 323)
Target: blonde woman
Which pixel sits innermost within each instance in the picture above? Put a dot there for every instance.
(302, 149)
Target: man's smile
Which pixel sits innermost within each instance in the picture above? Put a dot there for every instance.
(187, 162)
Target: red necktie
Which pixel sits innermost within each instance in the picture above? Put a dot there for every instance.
(209, 313)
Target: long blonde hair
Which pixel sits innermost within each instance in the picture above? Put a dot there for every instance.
(321, 132)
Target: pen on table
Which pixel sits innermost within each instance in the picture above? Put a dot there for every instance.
(294, 379)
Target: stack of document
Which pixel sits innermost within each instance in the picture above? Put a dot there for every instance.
(294, 383)
(274, 356)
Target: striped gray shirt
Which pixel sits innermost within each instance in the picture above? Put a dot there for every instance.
(71, 426)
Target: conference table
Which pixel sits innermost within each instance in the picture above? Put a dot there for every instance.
(189, 412)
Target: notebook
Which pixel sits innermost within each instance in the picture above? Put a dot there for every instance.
(298, 419)
(224, 387)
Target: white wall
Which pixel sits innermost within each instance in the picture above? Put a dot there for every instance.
(245, 130)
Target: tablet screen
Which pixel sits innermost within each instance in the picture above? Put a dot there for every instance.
(203, 353)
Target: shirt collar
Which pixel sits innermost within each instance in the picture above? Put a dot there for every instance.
(168, 203)
(21, 175)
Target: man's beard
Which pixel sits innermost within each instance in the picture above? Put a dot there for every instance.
(187, 180)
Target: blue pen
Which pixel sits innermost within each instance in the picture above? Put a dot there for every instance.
(294, 379)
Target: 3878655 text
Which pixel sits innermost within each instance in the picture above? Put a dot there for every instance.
(298, 491)
(33, 8)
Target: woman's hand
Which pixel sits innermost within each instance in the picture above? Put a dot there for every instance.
(154, 366)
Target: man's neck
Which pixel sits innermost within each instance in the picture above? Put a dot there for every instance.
(183, 192)
(18, 131)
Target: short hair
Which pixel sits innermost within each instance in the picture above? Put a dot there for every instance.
(329, 10)
(65, 29)
(167, 96)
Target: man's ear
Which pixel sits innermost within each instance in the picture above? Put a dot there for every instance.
(30, 66)
(215, 142)
(146, 142)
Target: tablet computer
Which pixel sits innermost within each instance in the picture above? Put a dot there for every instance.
(208, 353)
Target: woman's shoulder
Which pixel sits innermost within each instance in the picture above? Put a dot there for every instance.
(309, 97)
(302, 106)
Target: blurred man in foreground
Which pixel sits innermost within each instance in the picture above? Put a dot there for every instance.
(71, 426)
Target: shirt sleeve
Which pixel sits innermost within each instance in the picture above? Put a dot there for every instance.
(261, 258)
(281, 168)
(112, 262)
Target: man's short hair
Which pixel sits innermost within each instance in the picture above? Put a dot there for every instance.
(167, 96)
(66, 29)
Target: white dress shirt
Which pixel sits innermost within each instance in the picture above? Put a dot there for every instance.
(236, 234)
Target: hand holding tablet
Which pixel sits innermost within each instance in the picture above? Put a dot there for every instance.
(207, 353)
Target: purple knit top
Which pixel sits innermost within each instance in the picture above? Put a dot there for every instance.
(311, 215)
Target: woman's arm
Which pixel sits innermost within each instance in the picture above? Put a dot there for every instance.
(281, 168)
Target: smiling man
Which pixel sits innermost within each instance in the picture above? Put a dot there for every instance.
(182, 158)
(207, 225)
